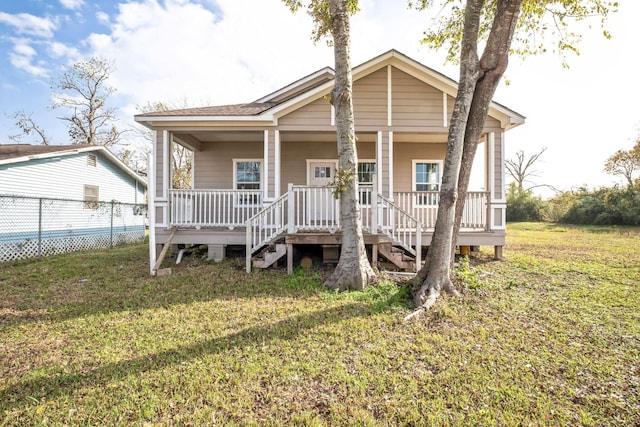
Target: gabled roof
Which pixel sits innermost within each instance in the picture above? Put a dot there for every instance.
(307, 89)
(17, 153)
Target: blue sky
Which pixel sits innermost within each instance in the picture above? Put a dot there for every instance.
(198, 52)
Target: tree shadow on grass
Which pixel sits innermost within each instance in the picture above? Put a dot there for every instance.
(78, 285)
(51, 388)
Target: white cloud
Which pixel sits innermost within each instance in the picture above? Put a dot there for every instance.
(22, 57)
(103, 18)
(27, 24)
(179, 50)
(72, 4)
(60, 50)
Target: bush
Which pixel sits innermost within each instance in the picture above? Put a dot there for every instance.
(603, 206)
(522, 205)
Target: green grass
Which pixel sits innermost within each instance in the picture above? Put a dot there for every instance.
(550, 336)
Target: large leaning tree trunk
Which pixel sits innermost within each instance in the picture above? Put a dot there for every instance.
(478, 81)
(353, 270)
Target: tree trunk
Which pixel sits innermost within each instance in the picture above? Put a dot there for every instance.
(353, 270)
(493, 64)
(478, 80)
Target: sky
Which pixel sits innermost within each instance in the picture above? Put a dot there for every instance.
(214, 52)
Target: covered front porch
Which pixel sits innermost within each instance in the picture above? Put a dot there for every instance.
(312, 213)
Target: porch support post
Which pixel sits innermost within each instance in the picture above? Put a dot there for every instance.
(151, 209)
(390, 166)
(418, 246)
(374, 205)
(249, 244)
(379, 166)
(497, 202)
(265, 162)
(291, 206)
(276, 161)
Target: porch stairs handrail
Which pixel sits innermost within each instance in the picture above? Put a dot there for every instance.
(267, 224)
(401, 227)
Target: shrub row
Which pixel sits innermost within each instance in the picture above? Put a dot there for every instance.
(603, 206)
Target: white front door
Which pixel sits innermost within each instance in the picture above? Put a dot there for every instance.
(321, 204)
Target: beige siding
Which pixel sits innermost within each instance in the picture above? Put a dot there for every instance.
(214, 164)
(414, 102)
(315, 115)
(404, 153)
(370, 99)
(294, 157)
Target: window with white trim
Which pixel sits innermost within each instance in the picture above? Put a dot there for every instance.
(427, 176)
(247, 175)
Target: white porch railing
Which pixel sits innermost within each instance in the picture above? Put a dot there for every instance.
(213, 208)
(423, 206)
(403, 229)
(266, 225)
(313, 208)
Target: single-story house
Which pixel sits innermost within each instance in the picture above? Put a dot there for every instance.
(263, 171)
(57, 198)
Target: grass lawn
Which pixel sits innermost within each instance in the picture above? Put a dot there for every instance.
(549, 336)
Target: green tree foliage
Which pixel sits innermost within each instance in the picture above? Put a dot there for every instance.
(604, 206)
(522, 205)
(625, 163)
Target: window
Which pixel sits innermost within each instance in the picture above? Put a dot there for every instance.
(247, 176)
(366, 172)
(91, 196)
(427, 177)
(92, 160)
(322, 172)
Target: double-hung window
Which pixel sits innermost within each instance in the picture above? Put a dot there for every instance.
(427, 176)
(247, 174)
(91, 196)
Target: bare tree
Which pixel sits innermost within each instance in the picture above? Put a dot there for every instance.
(82, 91)
(521, 169)
(27, 125)
(181, 156)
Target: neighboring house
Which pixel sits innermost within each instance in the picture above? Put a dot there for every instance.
(61, 198)
(263, 170)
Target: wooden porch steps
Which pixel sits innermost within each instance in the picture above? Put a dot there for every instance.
(270, 255)
(396, 256)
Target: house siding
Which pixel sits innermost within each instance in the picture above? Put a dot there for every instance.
(65, 178)
(415, 103)
(370, 99)
(214, 162)
(403, 155)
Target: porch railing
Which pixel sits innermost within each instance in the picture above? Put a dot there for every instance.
(423, 206)
(213, 208)
(397, 224)
(310, 209)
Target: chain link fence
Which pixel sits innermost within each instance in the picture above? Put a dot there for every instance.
(37, 227)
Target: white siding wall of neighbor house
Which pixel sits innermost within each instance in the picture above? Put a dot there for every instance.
(64, 177)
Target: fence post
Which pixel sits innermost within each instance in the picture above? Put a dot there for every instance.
(111, 230)
(39, 227)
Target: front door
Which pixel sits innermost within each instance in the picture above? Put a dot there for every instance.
(321, 204)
